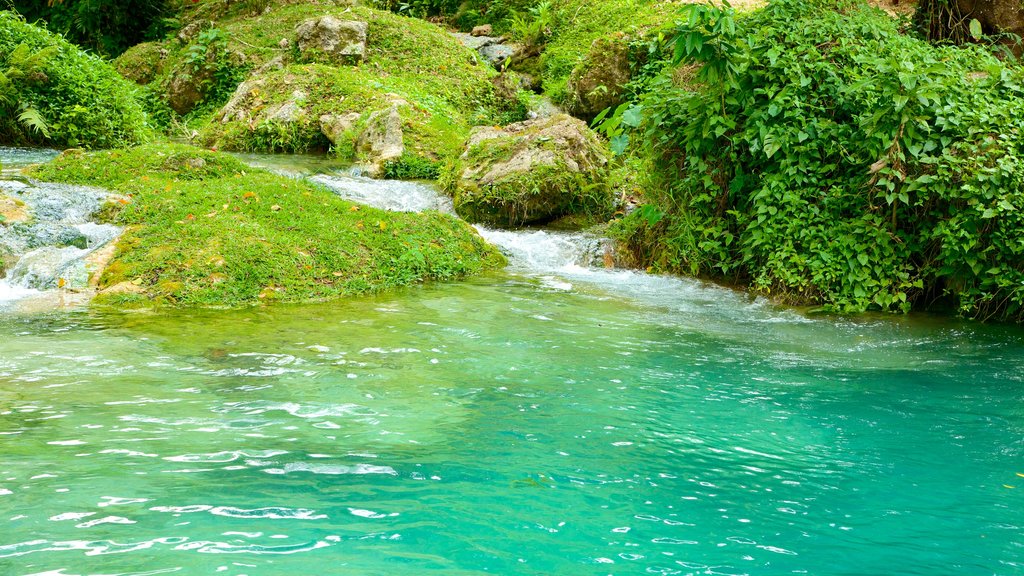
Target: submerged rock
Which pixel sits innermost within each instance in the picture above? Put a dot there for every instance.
(340, 41)
(531, 172)
(51, 267)
(12, 210)
(54, 245)
(598, 81)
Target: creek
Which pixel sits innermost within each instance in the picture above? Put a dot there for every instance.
(556, 417)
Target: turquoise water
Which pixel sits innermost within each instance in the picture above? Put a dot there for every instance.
(510, 425)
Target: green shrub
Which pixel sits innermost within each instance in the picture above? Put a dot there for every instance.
(107, 27)
(829, 157)
(80, 98)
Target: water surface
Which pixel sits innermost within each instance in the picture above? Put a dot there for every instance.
(508, 426)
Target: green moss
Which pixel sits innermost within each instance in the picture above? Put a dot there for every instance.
(81, 98)
(204, 229)
(483, 190)
(519, 198)
(141, 63)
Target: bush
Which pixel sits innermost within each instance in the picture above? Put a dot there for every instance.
(830, 157)
(81, 99)
(108, 27)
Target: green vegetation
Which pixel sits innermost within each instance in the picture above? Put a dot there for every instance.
(204, 229)
(463, 14)
(106, 27)
(52, 92)
(442, 91)
(578, 23)
(824, 155)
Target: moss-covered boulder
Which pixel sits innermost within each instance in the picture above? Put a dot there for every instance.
(531, 172)
(80, 98)
(201, 228)
(598, 81)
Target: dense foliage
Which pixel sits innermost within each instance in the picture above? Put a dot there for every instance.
(77, 97)
(827, 156)
(107, 27)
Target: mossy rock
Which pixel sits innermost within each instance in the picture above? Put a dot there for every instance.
(531, 172)
(599, 80)
(142, 63)
(201, 228)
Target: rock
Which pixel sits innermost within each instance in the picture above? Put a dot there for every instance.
(187, 87)
(341, 41)
(598, 81)
(123, 288)
(543, 107)
(291, 110)
(490, 48)
(482, 30)
(474, 43)
(242, 101)
(50, 267)
(190, 31)
(12, 211)
(382, 139)
(497, 54)
(247, 104)
(96, 262)
(531, 172)
(276, 63)
(997, 17)
(334, 126)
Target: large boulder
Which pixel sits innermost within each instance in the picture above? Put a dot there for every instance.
(531, 172)
(340, 41)
(598, 81)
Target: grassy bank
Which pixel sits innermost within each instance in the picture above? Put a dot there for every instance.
(204, 229)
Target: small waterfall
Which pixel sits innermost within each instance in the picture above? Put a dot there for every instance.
(394, 195)
(48, 230)
(565, 261)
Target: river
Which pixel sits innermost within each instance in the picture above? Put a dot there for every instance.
(552, 418)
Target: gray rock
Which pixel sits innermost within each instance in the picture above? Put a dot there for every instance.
(340, 41)
(474, 42)
(51, 267)
(497, 54)
(238, 107)
(382, 139)
(292, 110)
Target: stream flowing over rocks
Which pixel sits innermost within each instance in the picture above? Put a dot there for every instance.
(48, 238)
